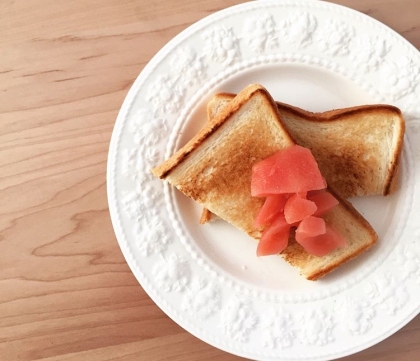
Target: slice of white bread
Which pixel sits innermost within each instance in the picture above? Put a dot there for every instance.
(214, 168)
(357, 149)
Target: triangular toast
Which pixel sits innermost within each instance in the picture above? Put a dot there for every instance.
(214, 168)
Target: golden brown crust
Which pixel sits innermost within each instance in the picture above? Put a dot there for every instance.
(163, 170)
(392, 179)
(206, 216)
(392, 183)
(330, 114)
(339, 113)
(333, 266)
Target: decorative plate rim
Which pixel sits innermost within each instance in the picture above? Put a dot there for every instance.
(120, 226)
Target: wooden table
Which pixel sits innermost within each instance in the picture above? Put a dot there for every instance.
(66, 292)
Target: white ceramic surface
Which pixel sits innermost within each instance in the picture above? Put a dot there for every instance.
(311, 54)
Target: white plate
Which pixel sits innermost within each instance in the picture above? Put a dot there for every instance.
(314, 55)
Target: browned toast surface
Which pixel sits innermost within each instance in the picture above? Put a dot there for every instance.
(215, 167)
(357, 149)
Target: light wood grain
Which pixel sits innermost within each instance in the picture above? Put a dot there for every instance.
(66, 292)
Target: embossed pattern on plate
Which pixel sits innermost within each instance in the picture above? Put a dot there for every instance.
(310, 54)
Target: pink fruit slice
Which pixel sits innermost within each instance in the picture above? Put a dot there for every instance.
(298, 208)
(275, 238)
(323, 244)
(291, 170)
(272, 208)
(310, 227)
(324, 201)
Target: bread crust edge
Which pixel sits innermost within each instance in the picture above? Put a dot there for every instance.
(163, 170)
(391, 181)
(323, 272)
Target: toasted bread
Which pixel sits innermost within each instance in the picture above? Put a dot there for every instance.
(214, 168)
(357, 149)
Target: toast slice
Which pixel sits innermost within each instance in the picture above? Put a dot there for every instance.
(215, 166)
(358, 149)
